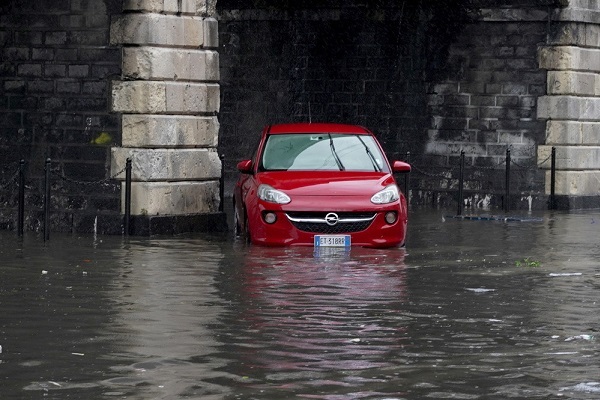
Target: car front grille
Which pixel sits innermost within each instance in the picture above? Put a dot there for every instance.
(316, 222)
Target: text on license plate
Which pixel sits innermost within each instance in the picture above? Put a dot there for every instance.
(332, 240)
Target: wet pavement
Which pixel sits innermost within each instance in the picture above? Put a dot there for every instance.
(470, 309)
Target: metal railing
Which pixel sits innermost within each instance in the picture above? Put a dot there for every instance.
(455, 174)
(18, 178)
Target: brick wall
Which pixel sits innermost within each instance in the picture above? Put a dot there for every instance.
(55, 77)
(381, 73)
(487, 104)
(336, 65)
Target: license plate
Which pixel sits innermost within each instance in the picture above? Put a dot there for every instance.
(332, 240)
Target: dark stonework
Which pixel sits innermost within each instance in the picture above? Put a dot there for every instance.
(142, 225)
(55, 77)
(426, 68)
(473, 83)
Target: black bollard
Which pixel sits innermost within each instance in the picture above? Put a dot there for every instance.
(127, 216)
(552, 205)
(222, 184)
(47, 200)
(21, 216)
(507, 183)
(461, 183)
(407, 181)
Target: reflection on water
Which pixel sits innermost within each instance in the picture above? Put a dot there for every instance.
(469, 310)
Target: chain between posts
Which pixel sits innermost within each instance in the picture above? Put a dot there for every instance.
(96, 182)
(19, 177)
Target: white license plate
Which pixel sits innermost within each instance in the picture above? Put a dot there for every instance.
(332, 240)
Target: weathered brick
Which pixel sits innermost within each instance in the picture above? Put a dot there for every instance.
(89, 38)
(99, 88)
(28, 38)
(66, 86)
(42, 54)
(16, 53)
(105, 71)
(30, 70)
(16, 86)
(88, 104)
(40, 86)
(106, 55)
(55, 38)
(66, 54)
(55, 104)
(507, 101)
(78, 71)
(55, 70)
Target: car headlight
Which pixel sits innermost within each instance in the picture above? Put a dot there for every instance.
(387, 195)
(267, 193)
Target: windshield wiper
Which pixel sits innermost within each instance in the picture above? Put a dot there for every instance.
(335, 155)
(373, 161)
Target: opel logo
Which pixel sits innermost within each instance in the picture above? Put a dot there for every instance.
(332, 219)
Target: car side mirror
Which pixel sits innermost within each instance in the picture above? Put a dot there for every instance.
(245, 167)
(401, 167)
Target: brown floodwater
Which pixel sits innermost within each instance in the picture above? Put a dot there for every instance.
(470, 309)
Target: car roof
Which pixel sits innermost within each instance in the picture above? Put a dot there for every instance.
(319, 127)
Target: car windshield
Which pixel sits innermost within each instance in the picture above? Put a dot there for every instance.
(322, 151)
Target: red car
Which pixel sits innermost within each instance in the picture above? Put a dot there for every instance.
(320, 184)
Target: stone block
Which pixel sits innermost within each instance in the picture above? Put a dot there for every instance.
(153, 97)
(563, 132)
(513, 14)
(574, 183)
(589, 13)
(569, 58)
(141, 130)
(575, 33)
(166, 164)
(157, 63)
(569, 108)
(196, 7)
(152, 29)
(573, 83)
(572, 132)
(573, 158)
(173, 198)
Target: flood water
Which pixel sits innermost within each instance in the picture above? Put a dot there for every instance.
(468, 310)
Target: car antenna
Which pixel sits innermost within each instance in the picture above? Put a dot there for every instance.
(309, 114)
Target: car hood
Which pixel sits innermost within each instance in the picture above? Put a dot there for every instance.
(327, 183)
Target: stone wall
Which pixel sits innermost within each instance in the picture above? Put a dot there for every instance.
(169, 97)
(342, 65)
(88, 84)
(486, 106)
(55, 74)
(337, 65)
(572, 104)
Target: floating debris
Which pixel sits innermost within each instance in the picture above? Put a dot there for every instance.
(495, 218)
(587, 387)
(579, 337)
(480, 290)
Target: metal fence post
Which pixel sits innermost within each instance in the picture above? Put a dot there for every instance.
(461, 182)
(21, 213)
(222, 184)
(507, 182)
(127, 216)
(552, 204)
(407, 181)
(47, 200)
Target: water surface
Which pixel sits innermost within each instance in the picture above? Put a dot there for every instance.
(468, 310)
